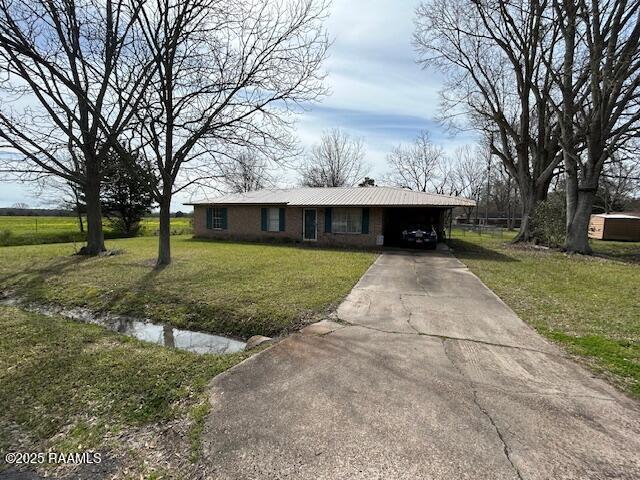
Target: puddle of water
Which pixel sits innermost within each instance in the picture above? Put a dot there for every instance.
(176, 338)
(165, 335)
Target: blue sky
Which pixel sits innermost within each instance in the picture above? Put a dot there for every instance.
(378, 92)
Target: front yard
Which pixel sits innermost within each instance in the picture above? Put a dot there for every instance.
(221, 287)
(72, 387)
(591, 305)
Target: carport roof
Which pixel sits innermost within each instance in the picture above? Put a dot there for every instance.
(339, 196)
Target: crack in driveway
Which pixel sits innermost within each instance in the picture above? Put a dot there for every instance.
(411, 324)
(409, 314)
(485, 412)
(448, 337)
(490, 385)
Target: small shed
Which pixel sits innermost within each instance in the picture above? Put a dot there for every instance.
(615, 226)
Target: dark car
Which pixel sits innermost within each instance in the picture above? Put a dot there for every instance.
(420, 236)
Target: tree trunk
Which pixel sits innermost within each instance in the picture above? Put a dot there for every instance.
(527, 198)
(525, 233)
(467, 213)
(582, 187)
(608, 199)
(577, 239)
(530, 196)
(95, 235)
(80, 221)
(164, 243)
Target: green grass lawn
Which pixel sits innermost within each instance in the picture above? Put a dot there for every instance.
(33, 230)
(68, 386)
(623, 251)
(221, 287)
(589, 304)
(71, 387)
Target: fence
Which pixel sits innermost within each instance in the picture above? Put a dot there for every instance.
(490, 230)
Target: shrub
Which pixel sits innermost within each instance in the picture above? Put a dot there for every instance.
(5, 236)
(549, 221)
(125, 227)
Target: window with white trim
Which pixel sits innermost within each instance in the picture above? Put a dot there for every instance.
(217, 218)
(273, 219)
(346, 220)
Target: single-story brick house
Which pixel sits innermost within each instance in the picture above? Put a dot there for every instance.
(349, 216)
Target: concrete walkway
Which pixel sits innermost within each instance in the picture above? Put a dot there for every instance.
(432, 378)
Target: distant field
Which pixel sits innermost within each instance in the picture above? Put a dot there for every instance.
(28, 230)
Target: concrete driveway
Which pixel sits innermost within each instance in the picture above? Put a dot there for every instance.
(430, 376)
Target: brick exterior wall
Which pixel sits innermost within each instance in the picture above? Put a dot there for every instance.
(244, 223)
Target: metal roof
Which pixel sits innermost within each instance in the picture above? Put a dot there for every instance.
(339, 196)
(617, 215)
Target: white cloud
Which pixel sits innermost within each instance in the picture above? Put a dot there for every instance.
(372, 62)
(378, 92)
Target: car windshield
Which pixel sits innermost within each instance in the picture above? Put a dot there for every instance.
(413, 228)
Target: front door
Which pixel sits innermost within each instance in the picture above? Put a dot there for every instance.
(310, 226)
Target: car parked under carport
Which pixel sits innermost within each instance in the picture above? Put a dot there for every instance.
(397, 220)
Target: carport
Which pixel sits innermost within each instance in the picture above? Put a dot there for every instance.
(397, 219)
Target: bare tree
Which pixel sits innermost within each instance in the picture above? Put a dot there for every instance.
(599, 78)
(69, 93)
(337, 161)
(504, 194)
(229, 74)
(469, 175)
(496, 81)
(619, 182)
(67, 195)
(444, 181)
(246, 173)
(416, 166)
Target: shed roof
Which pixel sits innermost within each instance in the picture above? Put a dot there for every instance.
(339, 196)
(618, 215)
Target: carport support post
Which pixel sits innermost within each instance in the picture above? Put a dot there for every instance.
(450, 222)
